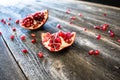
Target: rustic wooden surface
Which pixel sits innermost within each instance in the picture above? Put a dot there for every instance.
(72, 63)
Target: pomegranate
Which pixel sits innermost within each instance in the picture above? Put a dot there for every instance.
(35, 20)
(58, 41)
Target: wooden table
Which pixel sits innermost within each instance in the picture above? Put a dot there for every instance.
(72, 63)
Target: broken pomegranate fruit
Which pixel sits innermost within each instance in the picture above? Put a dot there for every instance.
(57, 41)
(35, 20)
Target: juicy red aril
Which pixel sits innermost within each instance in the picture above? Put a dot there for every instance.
(80, 14)
(12, 37)
(9, 19)
(105, 14)
(111, 33)
(33, 40)
(27, 22)
(9, 24)
(33, 35)
(22, 37)
(98, 37)
(58, 26)
(91, 52)
(97, 27)
(104, 27)
(118, 40)
(13, 29)
(67, 11)
(40, 55)
(84, 29)
(17, 21)
(96, 52)
(2, 20)
(73, 18)
(25, 51)
(39, 16)
(57, 40)
(0, 33)
(70, 22)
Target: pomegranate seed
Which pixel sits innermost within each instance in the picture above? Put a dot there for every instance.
(70, 22)
(2, 20)
(67, 11)
(111, 33)
(98, 37)
(80, 14)
(105, 14)
(17, 21)
(9, 19)
(96, 27)
(33, 40)
(33, 35)
(8, 23)
(73, 18)
(84, 29)
(12, 37)
(58, 26)
(104, 27)
(91, 52)
(0, 33)
(25, 51)
(40, 55)
(96, 52)
(13, 29)
(22, 38)
(118, 40)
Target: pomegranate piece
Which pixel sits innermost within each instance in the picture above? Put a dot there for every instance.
(104, 27)
(17, 21)
(58, 41)
(22, 38)
(25, 51)
(34, 21)
(12, 37)
(40, 55)
(98, 37)
(91, 52)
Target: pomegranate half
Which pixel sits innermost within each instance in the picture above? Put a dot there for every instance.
(35, 20)
(57, 41)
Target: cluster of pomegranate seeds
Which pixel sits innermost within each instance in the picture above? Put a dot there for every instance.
(27, 22)
(94, 52)
(98, 37)
(40, 55)
(22, 37)
(12, 37)
(3, 21)
(25, 51)
(111, 33)
(17, 21)
(39, 16)
(73, 18)
(58, 26)
(14, 29)
(33, 41)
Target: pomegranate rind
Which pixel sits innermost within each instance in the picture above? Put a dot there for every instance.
(63, 43)
(36, 25)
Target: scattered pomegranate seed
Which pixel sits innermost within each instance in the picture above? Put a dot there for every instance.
(73, 18)
(0, 33)
(105, 14)
(118, 40)
(13, 29)
(70, 22)
(104, 27)
(58, 26)
(9, 19)
(80, 14)
(111, 33)
(12, 37)
(91, 52)
(25, 51)
(96, 27)
(2, 20)
(67, 11)
(33, 35)
(8, 23)
(98, 37)
(96, 52)
(33, 40)
(22, 38)
(17, 21)
(40, 55)
(84, 29)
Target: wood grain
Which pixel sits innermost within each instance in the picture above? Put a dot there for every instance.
(72, 63)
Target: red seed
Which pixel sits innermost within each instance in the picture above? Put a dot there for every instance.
(33, 35)
(98, 37)
(67, 11)
(9, 24)
(105, 14)
(96, 52)
(104, 27)
(58, 26)
(96, 27)
(118, 40)
(22, 38)
(40, 55)
(0, 33)
(33, 40)
(17, 21)
(25, 51)
(13, 29)
(91, 52)
(12, 37)
(9, 19)
(70, 22)
(2, 20)
(73, 18)
(84, 29)
(80, 14)
(111, 33)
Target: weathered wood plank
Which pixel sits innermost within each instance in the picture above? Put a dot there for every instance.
(72, 63)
